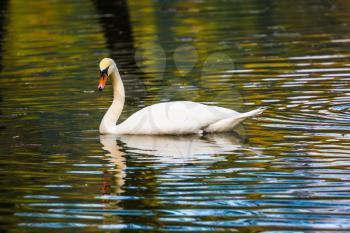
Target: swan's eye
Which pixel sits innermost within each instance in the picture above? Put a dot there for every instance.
(105, 71)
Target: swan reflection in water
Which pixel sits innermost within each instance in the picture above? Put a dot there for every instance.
(168, 150)
(117, 157)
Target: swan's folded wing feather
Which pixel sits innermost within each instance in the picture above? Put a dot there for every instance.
(180, 117)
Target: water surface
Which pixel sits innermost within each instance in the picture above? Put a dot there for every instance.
(286, 171)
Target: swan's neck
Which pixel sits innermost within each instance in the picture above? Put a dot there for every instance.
(109, 120)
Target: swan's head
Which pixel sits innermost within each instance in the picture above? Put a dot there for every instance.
(107, 67)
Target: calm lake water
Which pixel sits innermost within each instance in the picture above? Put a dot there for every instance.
(286, 171)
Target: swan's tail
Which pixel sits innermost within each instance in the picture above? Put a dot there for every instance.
(228, 124)
(253, 113)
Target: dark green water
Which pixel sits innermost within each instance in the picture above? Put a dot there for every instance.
(286, 171)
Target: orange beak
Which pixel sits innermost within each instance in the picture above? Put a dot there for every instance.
(103, 81)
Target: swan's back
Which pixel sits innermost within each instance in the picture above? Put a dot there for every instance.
(178, 117)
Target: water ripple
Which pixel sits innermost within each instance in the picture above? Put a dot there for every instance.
(284, 171)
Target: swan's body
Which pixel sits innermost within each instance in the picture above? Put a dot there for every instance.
(172, 118)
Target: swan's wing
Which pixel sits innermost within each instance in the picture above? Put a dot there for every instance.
(227, 124)
(180, 117)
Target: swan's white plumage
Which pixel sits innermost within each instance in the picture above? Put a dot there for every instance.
(178, 117)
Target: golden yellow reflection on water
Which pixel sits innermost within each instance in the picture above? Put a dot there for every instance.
(290, 165)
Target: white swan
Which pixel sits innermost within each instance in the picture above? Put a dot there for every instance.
(171, 118)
